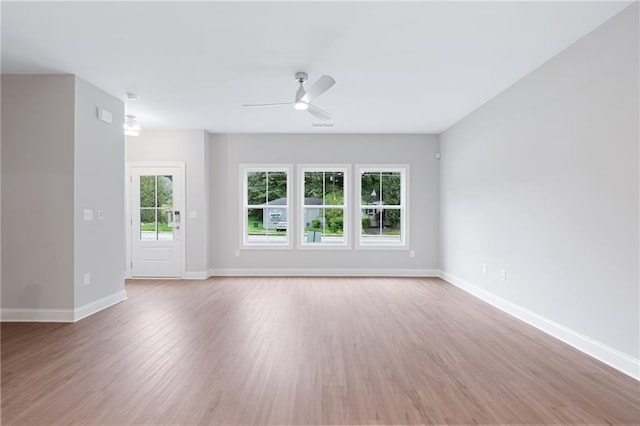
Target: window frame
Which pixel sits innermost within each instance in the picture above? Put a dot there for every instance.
(404, 171)
(245, 169)
(325, 167)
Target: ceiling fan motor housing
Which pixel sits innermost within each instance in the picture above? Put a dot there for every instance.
(301, 77)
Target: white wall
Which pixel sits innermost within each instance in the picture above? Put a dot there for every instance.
(99, 181)
(37, 191)
(227, 152)
(188, 146)
(542, 181)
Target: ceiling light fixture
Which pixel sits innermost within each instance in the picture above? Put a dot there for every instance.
(132, 96)
(131, 126)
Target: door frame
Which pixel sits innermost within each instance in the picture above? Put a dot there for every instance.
(128, 219)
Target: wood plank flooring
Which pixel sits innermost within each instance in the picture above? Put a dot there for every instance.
(330, 351)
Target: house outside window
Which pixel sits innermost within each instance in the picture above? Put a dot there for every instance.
(382, 210)
(324, 201)
(266, 195)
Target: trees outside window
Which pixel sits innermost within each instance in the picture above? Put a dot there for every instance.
(156, 208)
(323, 215)
(322, 218)
(266, 206)
(382, 210)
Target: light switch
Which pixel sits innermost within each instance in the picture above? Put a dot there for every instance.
(100, 214)
(88, 214)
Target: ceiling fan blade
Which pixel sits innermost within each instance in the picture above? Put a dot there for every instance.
(323, 84)
(319, 113)
(267, 105)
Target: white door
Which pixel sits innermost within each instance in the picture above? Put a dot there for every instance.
(156, 221)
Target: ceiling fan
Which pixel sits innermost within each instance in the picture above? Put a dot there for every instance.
(304, 97)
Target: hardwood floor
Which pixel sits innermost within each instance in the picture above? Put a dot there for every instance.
(329, 351)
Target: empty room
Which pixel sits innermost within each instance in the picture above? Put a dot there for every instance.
(320, 213)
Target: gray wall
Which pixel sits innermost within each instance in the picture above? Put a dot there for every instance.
(188, 146)
(99, 178)
(37, 191)
(58, 159)
(543, 181)
(227, 152)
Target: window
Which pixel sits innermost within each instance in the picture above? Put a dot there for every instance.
(323, 200)
(382, 209)
(156, 208)
(266, 206)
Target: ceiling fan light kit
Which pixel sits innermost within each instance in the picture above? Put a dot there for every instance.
(304, 98)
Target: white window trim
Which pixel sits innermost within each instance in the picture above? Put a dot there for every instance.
(404, 219)
(291, 222)
(344, 168)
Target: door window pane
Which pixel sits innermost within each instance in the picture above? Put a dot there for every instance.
(148, 230)
(147, 191)
(165, 191)
(156, 208)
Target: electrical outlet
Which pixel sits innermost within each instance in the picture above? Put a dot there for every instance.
(88, 214)
(87, 278)
(503, 274)
(485, 269)
(412, 253)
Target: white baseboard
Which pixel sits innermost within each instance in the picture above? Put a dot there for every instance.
(62, 315)
(598, 350)
(37, 315)
(195, 275)
(98, 305)
(344, 272)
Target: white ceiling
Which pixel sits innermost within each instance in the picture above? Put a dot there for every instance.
(400, 67)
